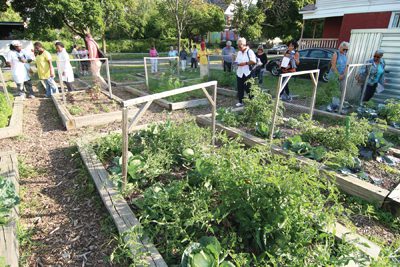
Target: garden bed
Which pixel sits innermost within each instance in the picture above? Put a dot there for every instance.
(14, 127)
(122, 79)
(8, 237)
(84, 109)
(192, 194)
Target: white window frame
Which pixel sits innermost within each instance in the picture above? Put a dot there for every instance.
(392, 20)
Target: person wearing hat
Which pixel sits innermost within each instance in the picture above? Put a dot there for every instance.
(45, 69)
(228, 53)
(17, 59)
(261, 62)
(203, 60)
(64, 67)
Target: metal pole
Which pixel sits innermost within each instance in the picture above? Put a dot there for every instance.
(365, 86)
(124, 147)
(145, 72)
(108, 78)
(62, 86)
(214, 113)
(5, 87)
(278, 90)
(344, 89)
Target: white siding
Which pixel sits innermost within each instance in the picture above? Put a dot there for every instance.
(329, 8)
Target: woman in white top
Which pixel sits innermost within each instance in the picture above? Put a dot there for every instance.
(64, 66)
(245, 61)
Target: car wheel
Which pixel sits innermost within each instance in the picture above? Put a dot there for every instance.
(2, 62)
(275, 70)
(324, 75)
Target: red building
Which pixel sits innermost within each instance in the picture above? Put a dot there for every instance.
(341, 16)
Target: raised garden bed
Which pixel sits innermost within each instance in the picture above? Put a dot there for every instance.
(179, 187)
(14, 127)
(122, 79)
(89, 110)
(8, 238)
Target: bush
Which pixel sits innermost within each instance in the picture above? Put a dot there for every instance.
(141, 46)
(5, 110)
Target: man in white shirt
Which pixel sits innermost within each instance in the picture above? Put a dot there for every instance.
(245, 61)
(17, 59)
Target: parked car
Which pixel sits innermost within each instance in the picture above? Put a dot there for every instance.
(310, 59)
(278, 49)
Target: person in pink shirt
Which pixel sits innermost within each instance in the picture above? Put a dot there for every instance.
(95, 65)
(154, 62)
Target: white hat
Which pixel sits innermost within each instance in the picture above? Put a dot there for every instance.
(16, 43)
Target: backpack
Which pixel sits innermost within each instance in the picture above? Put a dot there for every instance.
(251, 67)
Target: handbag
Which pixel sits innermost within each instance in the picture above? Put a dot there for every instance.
(101, 55)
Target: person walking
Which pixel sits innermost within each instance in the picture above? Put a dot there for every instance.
(261, 62)
(376, 75)
(17, 59)
(153, 60)
(94, 55)
(228, 53)
(172, 61)
(193, 59)
(64, 67)
(245, 61)
(339, 64)
(203, 60)
(183, 57)
(45, 69)
(289, 63)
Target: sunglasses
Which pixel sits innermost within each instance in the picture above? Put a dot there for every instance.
(345, 49)
(377, 56)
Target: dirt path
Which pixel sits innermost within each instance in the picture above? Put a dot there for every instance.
(63, 221)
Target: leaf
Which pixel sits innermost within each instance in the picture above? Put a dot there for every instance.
(212, 244)
(226, 264)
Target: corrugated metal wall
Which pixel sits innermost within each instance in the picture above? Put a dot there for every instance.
(363, 44)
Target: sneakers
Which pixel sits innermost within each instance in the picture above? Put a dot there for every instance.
(285, 97)
(22, 95)
(31, 96)
(238, 105)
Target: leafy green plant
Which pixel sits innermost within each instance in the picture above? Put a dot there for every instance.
(5, 109)
(75, 110)
(227, 117)
(391, 111)
(224, 79)
(8, 199)
(207, 252)
(326, 93)
(296, 145)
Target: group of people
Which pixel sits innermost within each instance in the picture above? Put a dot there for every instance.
(81, 53)
(21, 60)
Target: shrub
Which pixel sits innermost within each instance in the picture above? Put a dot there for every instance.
(5, 110)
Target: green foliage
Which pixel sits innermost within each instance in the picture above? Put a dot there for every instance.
(248, 19)
(75, 110)
(391, 111)
(5, 110)
(227, 117)
(223, 78)
(296, 145)
(8, 199)
(327, 92)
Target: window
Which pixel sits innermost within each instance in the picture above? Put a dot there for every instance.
(303, 53)
(395, 20)
(318, 54)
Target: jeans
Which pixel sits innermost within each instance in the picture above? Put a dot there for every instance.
(183, 64)
(193, 63)
(227, 66)
(51, 87)
(154, 63)
(243, 86)
(286, 88)
(28, 87)
(260, 75)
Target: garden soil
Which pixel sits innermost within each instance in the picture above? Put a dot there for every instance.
(68, 226)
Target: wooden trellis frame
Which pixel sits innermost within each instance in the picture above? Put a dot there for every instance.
(148, 99)
(87, 59)
(350, 68)
(314, 75)
(146, 75)
(3, 84)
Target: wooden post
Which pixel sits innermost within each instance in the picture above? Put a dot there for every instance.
(278, 91)
(214, 114)
(108, 78)
(3, 83)
(125, 142)
(145, 72)
(344, 90)
(365, 86)
(178, 70)
(62, 87)
(314, 93)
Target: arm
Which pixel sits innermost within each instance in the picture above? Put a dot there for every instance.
(333, 63)
(51, 65)
(297, 58)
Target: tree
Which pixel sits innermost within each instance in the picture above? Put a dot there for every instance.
(248, 19)
(203, 18)
(178, 11)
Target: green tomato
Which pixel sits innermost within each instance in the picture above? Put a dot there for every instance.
(188, 153)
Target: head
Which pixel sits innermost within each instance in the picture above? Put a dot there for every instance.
(38, 47)
(260, 49)
(228, 44)
(183, 48)
(344, 47)
(203, 45)
(17, 45)
(194, 46)
(153, 47)
(171, 48)
(59, 46)
(378, 55)
(175, 47)
(293, 45)
(241, 44)
(74, 46)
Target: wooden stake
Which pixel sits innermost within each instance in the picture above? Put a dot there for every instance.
(125, 142)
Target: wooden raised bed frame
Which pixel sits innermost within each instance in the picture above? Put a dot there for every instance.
(124, 218)
(73, 122)
(347, 183)
(8, 235)
(15, 126)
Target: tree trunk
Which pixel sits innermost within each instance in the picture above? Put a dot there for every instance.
(179, 40)
(103, 43)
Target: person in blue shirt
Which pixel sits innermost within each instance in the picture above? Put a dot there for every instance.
(376, 75)
(228, 53)
(339, 64)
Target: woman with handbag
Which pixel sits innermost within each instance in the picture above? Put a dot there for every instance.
(94, 54)
(376, 75)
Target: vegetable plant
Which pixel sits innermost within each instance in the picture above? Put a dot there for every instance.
(5, 110)
(8, 199)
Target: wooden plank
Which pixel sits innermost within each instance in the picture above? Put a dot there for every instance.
(226, 92)
(100, 119)
(118, 208)
(66, 117)
(189, 104)
(16, 121)
(8, 233)
(347, 183)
